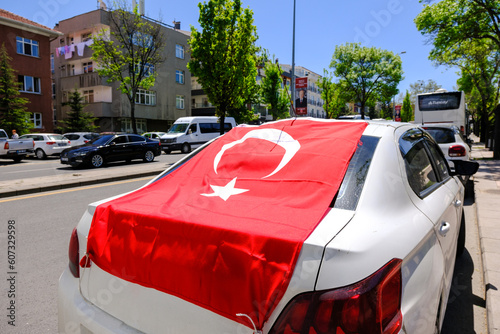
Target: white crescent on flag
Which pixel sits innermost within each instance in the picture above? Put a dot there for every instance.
(278, 137)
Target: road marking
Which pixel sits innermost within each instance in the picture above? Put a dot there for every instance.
(28, 170)
(74, 189)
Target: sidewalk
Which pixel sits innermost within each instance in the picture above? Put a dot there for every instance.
(487, 193)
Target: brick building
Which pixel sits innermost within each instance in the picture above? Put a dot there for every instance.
(28, 44)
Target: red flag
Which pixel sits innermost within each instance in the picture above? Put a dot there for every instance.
(232, 220)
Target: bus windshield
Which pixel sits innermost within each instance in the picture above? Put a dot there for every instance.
(442, 101)
(178, 128)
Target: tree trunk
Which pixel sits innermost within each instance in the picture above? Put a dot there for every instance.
(132, 117)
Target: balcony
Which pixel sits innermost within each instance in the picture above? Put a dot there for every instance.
(81, 81)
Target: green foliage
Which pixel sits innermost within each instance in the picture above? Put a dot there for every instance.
(78, 120)
(223, 55)
(366, 73)
(421, 87)
(13, 114)
(129, 53)
(406, 109)
(333, 97)
(272, 93)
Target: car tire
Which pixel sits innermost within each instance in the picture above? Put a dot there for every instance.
(186, 148)
(461, 236)
(148, 156)
(97, 161)
(40, 154)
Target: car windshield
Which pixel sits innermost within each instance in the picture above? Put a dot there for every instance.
(57, 137)
(101, 140)
(442, 135)
(178, 128)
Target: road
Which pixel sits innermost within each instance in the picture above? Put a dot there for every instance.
(31, 167)
(43, 224)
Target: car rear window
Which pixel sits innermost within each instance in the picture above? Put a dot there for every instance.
(354, 179)
(72, 137)
(56, 137)
(442, 135)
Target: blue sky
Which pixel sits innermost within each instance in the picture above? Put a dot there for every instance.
(320, 26)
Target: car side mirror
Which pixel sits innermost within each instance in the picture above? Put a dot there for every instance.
(112, 144)
(465, 167)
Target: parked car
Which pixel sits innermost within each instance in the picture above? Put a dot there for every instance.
(109, 148)
(47, 144)
(295, 226)
(451, 141)
(80, 138)
(153, 135)
(15, 149)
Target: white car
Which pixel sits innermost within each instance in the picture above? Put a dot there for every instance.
(80, 138)
(450, 140)
(47, 144)
(295, 226)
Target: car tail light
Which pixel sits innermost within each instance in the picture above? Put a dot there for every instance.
(50, 142)
(462, 129)
(73, 254)
(456, 151)
(6, 146)
(370, 306)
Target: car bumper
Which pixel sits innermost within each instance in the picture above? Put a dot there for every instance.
(76, 315)
(171, 146)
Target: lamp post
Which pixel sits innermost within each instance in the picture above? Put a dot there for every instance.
(293, 62)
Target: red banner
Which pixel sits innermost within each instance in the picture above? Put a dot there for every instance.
(301, 96)
(224, 230)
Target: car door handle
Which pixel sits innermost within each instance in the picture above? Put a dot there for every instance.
(444, 228)
(458, 203)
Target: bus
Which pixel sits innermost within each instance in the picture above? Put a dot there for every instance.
(442, 107)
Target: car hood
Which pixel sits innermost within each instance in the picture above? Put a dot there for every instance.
(171, 135)
(81, 148)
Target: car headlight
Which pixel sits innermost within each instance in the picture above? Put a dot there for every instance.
(82, 154)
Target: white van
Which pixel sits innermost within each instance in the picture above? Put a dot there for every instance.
(191, 132)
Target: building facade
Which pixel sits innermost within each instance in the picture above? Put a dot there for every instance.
(28, 44)
(155, 109)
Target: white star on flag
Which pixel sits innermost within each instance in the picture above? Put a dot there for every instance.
(227, 191)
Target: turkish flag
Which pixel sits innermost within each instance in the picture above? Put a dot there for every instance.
(225, 229)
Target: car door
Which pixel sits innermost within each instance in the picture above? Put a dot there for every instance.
(118, 148)
(434, 194)
(136, 145)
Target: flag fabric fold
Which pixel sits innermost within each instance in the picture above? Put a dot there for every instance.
(224, 230)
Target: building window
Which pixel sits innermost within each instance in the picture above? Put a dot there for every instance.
(27, 46)
(179, 101)
(29, 84)
(179, 76)
(52, 63)
(86, 37)
(145, 97)
(36, 119)
(179, 51)
(53, 90)
(126, 125)
(88, 96)
(87, 67)
(149, 69)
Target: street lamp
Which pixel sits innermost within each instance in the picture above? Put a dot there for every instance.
(293, 62)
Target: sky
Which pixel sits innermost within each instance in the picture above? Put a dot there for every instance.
(320, 25)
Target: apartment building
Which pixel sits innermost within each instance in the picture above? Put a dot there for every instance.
(155, 110)
(28, 44)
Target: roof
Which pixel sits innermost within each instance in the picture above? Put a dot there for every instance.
(16, 21)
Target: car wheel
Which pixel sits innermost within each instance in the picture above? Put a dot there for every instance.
(97, 161)
(186, 148)
(40, 154)
(461, 237)
(148, 156)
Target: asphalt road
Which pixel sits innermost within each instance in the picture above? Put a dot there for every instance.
(32, 167)
(43, 223)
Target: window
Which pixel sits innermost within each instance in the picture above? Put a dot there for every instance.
(179, 51)
(148, 69)
(419, 169)
(179, 76)
(119, 140)
(88, 96)
(29, 84)
(36, 119)
(145, 97)
(52, 63)
(86, 37)
(87, 67)
(141, 125)
(142, 39)
(133, 139)
(53, 90)
(179, 101)
(27, 46)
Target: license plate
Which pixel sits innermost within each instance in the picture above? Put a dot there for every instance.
(21, 151)
(62, 144)
(64, 159)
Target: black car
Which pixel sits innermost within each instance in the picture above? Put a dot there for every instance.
(108, 148)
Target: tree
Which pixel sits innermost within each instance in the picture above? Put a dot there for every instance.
(78, 120)
(421, 87)
(406, 109)
(223, 55)
(129, 52)
(331, 93)
(366, 72)
(13, 114)
(272, 92)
